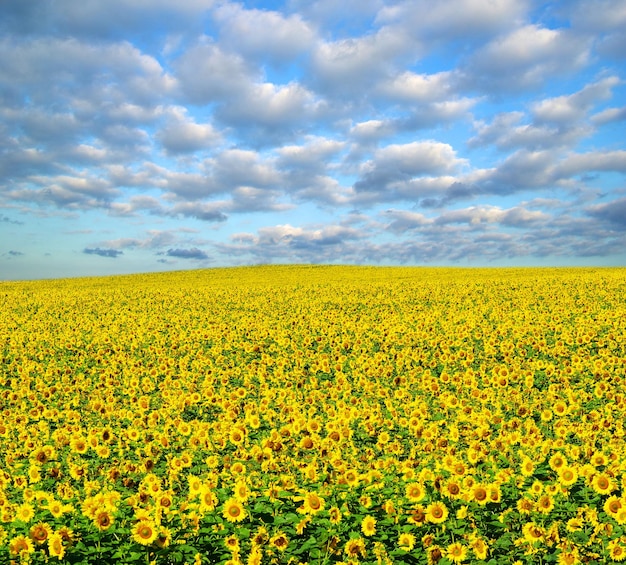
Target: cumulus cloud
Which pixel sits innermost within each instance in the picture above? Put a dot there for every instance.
(614, 213)
(560, 121)
(395, 165)
(352, 65)
(208, 73)
(454, 19)
(110, 253)
(181, 134)
(193, 253)
(262, 34)
(102, 20)
(8, 220)
(609, 115)
(573, 107)
(525, 58)
(410, 87)
(405, 220)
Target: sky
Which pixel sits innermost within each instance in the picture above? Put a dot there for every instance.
(152, 135)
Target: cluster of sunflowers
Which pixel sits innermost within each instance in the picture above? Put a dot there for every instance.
(315, 414)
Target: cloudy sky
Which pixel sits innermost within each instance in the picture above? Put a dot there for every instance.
(146, 135)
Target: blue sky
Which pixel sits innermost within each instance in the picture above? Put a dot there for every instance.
(148, 135)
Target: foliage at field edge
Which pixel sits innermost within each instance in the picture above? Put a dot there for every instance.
(302, 414)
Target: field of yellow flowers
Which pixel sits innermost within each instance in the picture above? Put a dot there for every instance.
(315, 414)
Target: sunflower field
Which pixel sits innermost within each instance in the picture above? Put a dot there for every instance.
(315, 414)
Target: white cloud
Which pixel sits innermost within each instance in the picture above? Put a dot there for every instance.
(405, 220)
(418, 158)
(506, 132)
(64, 69)
(411, 87)
(479, 215)
(576, 164)
(261, 34)
(609, 115)
(525, 58)
(237, 167)
(311, 155)
(454, 19)
(372, 130)
(598, 15)
(560, 121)
(356, 64)
(207, 73)
(299, 240)
(574, 107)
(181, 134)
(268, 105)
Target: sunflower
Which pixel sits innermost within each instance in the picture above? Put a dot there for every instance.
(335, 515)
(480, 548)
(208, 499)
(436, 513)
(67, 535)
(237, 436)
(527, 467)
(545, 504)
(261, 536)
(144, 532)
(434, 553)
(456, 552)
(312, 503)
(452, 489)
(237, 468)
(103, 520)
(234, 510)
(241, 491)
(355, 547)
(495, 494)
(232, 543)
(415, 492)
(525, 505)
(163, 538)
(255, 557)
(40, 532)
(25, 512)
(567, 476)
(351, 478)
(368, 526)
(307, 443)
(302, 524)
(280, 541)
(417, 515)
(568, 557)
(164, 501)
(479, 494)
(557, 461)
(612, 505)
(620, 517)
(598, 459)
(40, 456)
(406, 541)
(21, 545)
(532, 532)
(616, 550)
(574, 524)
(195, 485)
(602, 483)
(79, 445)
(55, 546)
